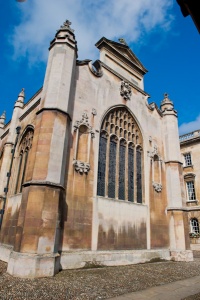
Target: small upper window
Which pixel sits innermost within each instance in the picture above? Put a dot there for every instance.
(187, 159)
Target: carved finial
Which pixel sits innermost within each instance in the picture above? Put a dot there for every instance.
(166, 98)
(20, 99)
(22, 93)
(2, 118)
(66, 25)
(166, 95)
(122, 41)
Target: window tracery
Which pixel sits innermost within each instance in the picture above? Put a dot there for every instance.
(120, 167)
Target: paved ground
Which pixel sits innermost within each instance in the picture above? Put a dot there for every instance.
(105, 283)
(174, 291)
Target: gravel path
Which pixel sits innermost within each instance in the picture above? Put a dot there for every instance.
(98, 283)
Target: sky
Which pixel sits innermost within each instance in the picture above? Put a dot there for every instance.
(166, 43)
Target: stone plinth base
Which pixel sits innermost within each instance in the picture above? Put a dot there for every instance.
(81, 259)
(5, 251)
(182, 255)
(33, 265)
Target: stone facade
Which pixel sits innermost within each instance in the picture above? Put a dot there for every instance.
(94, 173)
(190, 149)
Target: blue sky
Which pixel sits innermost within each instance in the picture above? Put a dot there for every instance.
(166, 43)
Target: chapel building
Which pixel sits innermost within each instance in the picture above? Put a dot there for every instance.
(90, 172)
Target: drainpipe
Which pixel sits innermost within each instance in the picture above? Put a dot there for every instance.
(9, 175)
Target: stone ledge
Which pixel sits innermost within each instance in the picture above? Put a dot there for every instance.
(81, 259)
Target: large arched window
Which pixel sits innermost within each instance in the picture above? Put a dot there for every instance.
(120, 167)
(24, 149)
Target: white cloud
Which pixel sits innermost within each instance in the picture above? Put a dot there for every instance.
(91, 20)
(190, 126)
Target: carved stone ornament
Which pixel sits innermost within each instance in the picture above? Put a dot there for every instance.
(94, 112)
(157, 187)
(154, 152)
(84, 121)
(81, 167)
(125, 90)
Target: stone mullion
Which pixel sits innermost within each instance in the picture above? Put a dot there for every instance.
(135, 175)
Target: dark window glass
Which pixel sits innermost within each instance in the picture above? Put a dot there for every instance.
(122, 153)
(24, 169)
(194, 225)
(130, 174)
(102, 167)
(112, 169)
(139, 176)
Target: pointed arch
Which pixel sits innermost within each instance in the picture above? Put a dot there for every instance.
(24, 149)
(120, 147)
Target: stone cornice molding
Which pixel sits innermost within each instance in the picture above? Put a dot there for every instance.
(44, 183)
(4, 134)
(186, 209)
(54, 109)
(173, 161)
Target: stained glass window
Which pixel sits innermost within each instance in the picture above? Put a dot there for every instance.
(130, 174)
(120, 157)
(122, 153)
(139, 175)
(112, 168)
(102, 167)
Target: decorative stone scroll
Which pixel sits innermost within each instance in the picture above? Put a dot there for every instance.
(157, 187)
(81, 167)
(125, 91)
(96, 68)
(84, 121)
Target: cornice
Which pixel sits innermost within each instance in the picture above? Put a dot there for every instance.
(54, 109)
(186, 209)
(43, 183)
